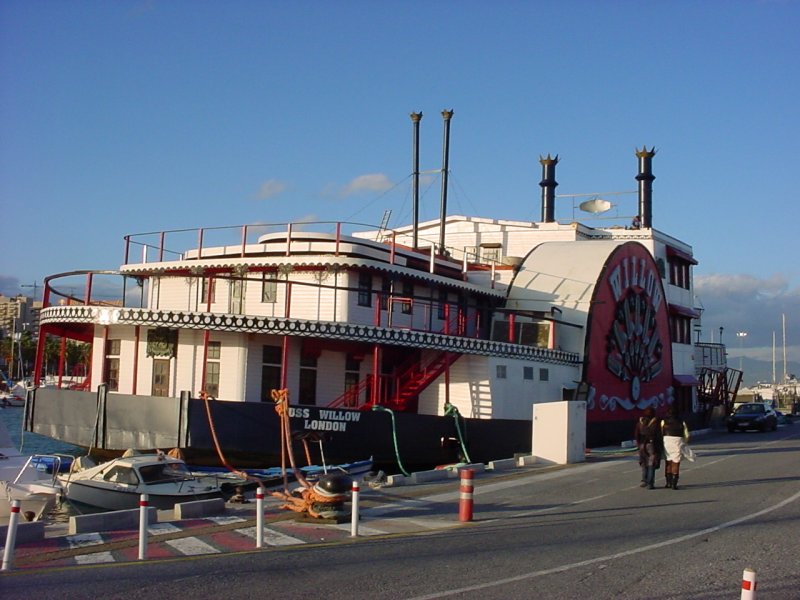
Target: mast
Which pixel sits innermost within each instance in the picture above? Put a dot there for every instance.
(446, 116)
(773, 357)
(784, 348)
(415, 119)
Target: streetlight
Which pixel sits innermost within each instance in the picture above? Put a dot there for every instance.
(741, 335)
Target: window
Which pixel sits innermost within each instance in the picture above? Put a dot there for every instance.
(364, 289)
(208, 282)
(269, 288)
(490, 253)
(527, 373)
(544, 375)
(442, 308)
(500, 371)
(213, 369)
(111, 367)
(236, 302)
(408, 297)
(308, 380)
(352, 374)
(271, 357)
(386, 292)
(680, 329)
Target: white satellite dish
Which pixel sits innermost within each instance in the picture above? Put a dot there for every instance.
(596, 205)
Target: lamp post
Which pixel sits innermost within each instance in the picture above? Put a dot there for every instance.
(741, 335)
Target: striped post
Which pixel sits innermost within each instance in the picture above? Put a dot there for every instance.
(465, 497)
(143, 503)
(749, 584)
(260, 517)
(11, 536)
(354, 513)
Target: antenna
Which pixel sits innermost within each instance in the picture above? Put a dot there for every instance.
(35, 285)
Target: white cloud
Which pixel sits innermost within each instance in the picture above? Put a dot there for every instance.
(744, 303)
(9, 285)
(270, 188)
(375, 182)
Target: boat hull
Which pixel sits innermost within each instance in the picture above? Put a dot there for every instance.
(109, 497)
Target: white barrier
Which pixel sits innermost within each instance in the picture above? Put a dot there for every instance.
(749, 584)
(143, 502)
(260, 517)
(11, 536)
(354, 516)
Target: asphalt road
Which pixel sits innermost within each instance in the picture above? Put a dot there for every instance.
(585, 531)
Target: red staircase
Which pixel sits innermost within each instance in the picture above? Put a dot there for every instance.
(412, 379)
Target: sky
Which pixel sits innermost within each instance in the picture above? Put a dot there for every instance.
(136, 116)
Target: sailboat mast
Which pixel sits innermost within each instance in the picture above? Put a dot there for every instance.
(773, 357)
(784, 347)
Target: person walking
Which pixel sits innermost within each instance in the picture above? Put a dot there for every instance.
(648, 440)
(676, 434)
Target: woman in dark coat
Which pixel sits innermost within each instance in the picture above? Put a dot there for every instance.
(649, 442)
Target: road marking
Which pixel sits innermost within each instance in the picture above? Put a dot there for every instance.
(591, 561)
(96, 558)
(84, 539)
(191, 546)
(362, 529)
(162, 528)
(272, 537)
(226, 519)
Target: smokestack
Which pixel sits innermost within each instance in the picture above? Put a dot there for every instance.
(548, 184)
(415, 119)
(446, 115)
(645, 179)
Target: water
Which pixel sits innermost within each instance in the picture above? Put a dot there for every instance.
(33, 443)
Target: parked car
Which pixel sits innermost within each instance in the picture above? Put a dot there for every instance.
(752, 416)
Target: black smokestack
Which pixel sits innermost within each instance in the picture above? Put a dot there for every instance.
(446, 115)
(548, 184)
(645, 179)
(415, 119)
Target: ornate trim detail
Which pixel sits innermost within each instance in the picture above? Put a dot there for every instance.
(301, 328)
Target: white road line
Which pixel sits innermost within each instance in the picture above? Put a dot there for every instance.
(362, 529)
(591, 561)
(272, 537)
(191, 546)
(96, 558)
(84, 539)
(162, 528)
(226, 519)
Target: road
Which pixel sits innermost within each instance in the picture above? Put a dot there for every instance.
(584, 531)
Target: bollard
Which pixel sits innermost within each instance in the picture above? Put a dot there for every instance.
(465, 501)
(143, 503)
(260, 517)
(354, 521)
(749, 584)
(11, 536)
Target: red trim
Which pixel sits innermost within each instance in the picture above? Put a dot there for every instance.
(684, 256)
(684, 311)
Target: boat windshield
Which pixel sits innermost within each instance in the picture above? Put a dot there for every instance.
(165, 472)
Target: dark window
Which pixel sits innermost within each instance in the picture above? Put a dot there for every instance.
(680, 329)
(270, 371)
(544, 375)
(501, 371)
(386, 292)
(408, 296)
(527, 373)
(364, 289)
(308, 380)
(204, 294)
(213, 368)
(441, 312)
(111, 366)
(269, 288)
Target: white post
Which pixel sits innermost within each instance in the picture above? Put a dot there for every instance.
(749, 584)
(260, 517)
(11, 536)
(354, 522)
(143, 502)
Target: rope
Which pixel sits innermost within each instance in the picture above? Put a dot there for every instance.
(394, 437)
(206, 397)
(281, 398)
(450, 409)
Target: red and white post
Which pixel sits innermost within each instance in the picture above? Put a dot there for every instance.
(144, 502)
(260, 517)
(11, 536)
(465, 496)
(354, 512)
(749, 584)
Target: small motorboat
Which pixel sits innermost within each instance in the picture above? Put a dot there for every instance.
(23, 479)
(119, 483)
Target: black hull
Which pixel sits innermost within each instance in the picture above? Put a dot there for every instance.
(248, 432)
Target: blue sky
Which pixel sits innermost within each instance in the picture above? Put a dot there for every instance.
(131, 116)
